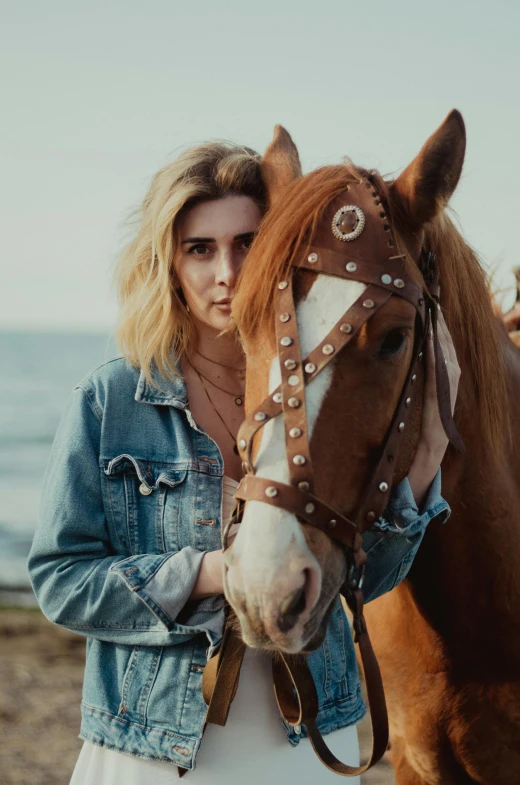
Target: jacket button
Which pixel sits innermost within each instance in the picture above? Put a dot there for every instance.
(144, 489)
(298, 729)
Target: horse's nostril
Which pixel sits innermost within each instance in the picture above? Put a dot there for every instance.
(290, 609)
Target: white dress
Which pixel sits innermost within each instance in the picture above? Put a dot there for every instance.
(251, 748)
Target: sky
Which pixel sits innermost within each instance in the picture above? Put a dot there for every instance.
(97, 96)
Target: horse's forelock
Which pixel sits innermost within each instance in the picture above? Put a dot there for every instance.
(284, 230)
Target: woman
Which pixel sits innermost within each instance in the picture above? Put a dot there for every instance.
(140, 478)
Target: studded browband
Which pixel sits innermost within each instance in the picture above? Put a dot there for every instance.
(372, 260)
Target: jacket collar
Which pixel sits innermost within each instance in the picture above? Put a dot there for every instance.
(164, 392)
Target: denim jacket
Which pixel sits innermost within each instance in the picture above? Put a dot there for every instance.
(132, 499)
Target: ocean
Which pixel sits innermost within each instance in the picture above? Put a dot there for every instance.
(38, 373)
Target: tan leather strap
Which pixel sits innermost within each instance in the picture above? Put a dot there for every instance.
(298, 701)
(221, 675)
(292, 389)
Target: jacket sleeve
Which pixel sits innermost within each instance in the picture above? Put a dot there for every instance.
(392, 543)
(79, 581)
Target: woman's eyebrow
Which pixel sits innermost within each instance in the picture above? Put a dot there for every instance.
(198, 240)
(242, 236)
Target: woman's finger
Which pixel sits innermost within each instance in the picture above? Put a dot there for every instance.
(447, 344)
(430, 387)
(445, 338)
(450, 358)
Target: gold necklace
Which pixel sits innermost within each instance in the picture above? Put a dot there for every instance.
(239, 400)
(240, 371)
(235, 448)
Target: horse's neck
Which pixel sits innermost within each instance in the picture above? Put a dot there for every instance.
(465, 579)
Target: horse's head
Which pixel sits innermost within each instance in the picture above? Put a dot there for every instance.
(282, 572)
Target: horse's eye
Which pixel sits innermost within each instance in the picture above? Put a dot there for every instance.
(393, 343)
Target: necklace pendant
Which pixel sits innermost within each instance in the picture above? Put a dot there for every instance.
(241, 375)
(239, 401)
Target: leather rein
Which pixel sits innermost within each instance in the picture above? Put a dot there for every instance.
(357, 245)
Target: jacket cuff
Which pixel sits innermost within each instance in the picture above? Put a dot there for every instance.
(165, 584)
(402, 515)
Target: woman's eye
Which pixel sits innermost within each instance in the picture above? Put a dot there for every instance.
(393, 343)
(199, 250)
(246, 242)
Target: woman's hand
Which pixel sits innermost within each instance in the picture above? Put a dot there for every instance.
(210, 580)
(211, 574)
(433, 441)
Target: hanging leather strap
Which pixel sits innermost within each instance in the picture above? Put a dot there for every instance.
(298, 701)
(295, 690)
(221, 675)
(220, 678)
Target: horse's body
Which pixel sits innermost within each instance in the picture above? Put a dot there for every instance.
(448, 639)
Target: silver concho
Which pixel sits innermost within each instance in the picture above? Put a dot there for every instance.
(352, 232)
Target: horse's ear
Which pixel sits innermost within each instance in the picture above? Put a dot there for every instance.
(280, 164)
(426, 185)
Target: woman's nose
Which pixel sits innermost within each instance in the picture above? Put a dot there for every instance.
(228, 267)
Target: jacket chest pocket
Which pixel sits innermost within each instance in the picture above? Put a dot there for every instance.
(139, 495)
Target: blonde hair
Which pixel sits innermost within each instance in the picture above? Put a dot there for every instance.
(154, 327)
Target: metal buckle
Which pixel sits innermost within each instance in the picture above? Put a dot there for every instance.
(354, 581)
(236, 517)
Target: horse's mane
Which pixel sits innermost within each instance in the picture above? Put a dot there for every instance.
(465, 293)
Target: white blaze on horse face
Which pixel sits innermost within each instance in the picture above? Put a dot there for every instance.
(270, 553)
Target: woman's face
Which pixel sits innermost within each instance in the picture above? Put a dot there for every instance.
(214, 240)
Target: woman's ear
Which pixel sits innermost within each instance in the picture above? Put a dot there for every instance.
(426, 185)
(280, 164)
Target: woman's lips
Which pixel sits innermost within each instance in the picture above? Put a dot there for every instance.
(223, 305)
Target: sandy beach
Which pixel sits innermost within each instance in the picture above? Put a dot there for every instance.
(41, 672)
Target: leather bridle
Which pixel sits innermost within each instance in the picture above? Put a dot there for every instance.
(364, 252)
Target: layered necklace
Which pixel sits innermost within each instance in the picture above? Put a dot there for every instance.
(241, 371)
(238, 398)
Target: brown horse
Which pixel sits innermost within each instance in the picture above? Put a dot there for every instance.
(448, 638)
